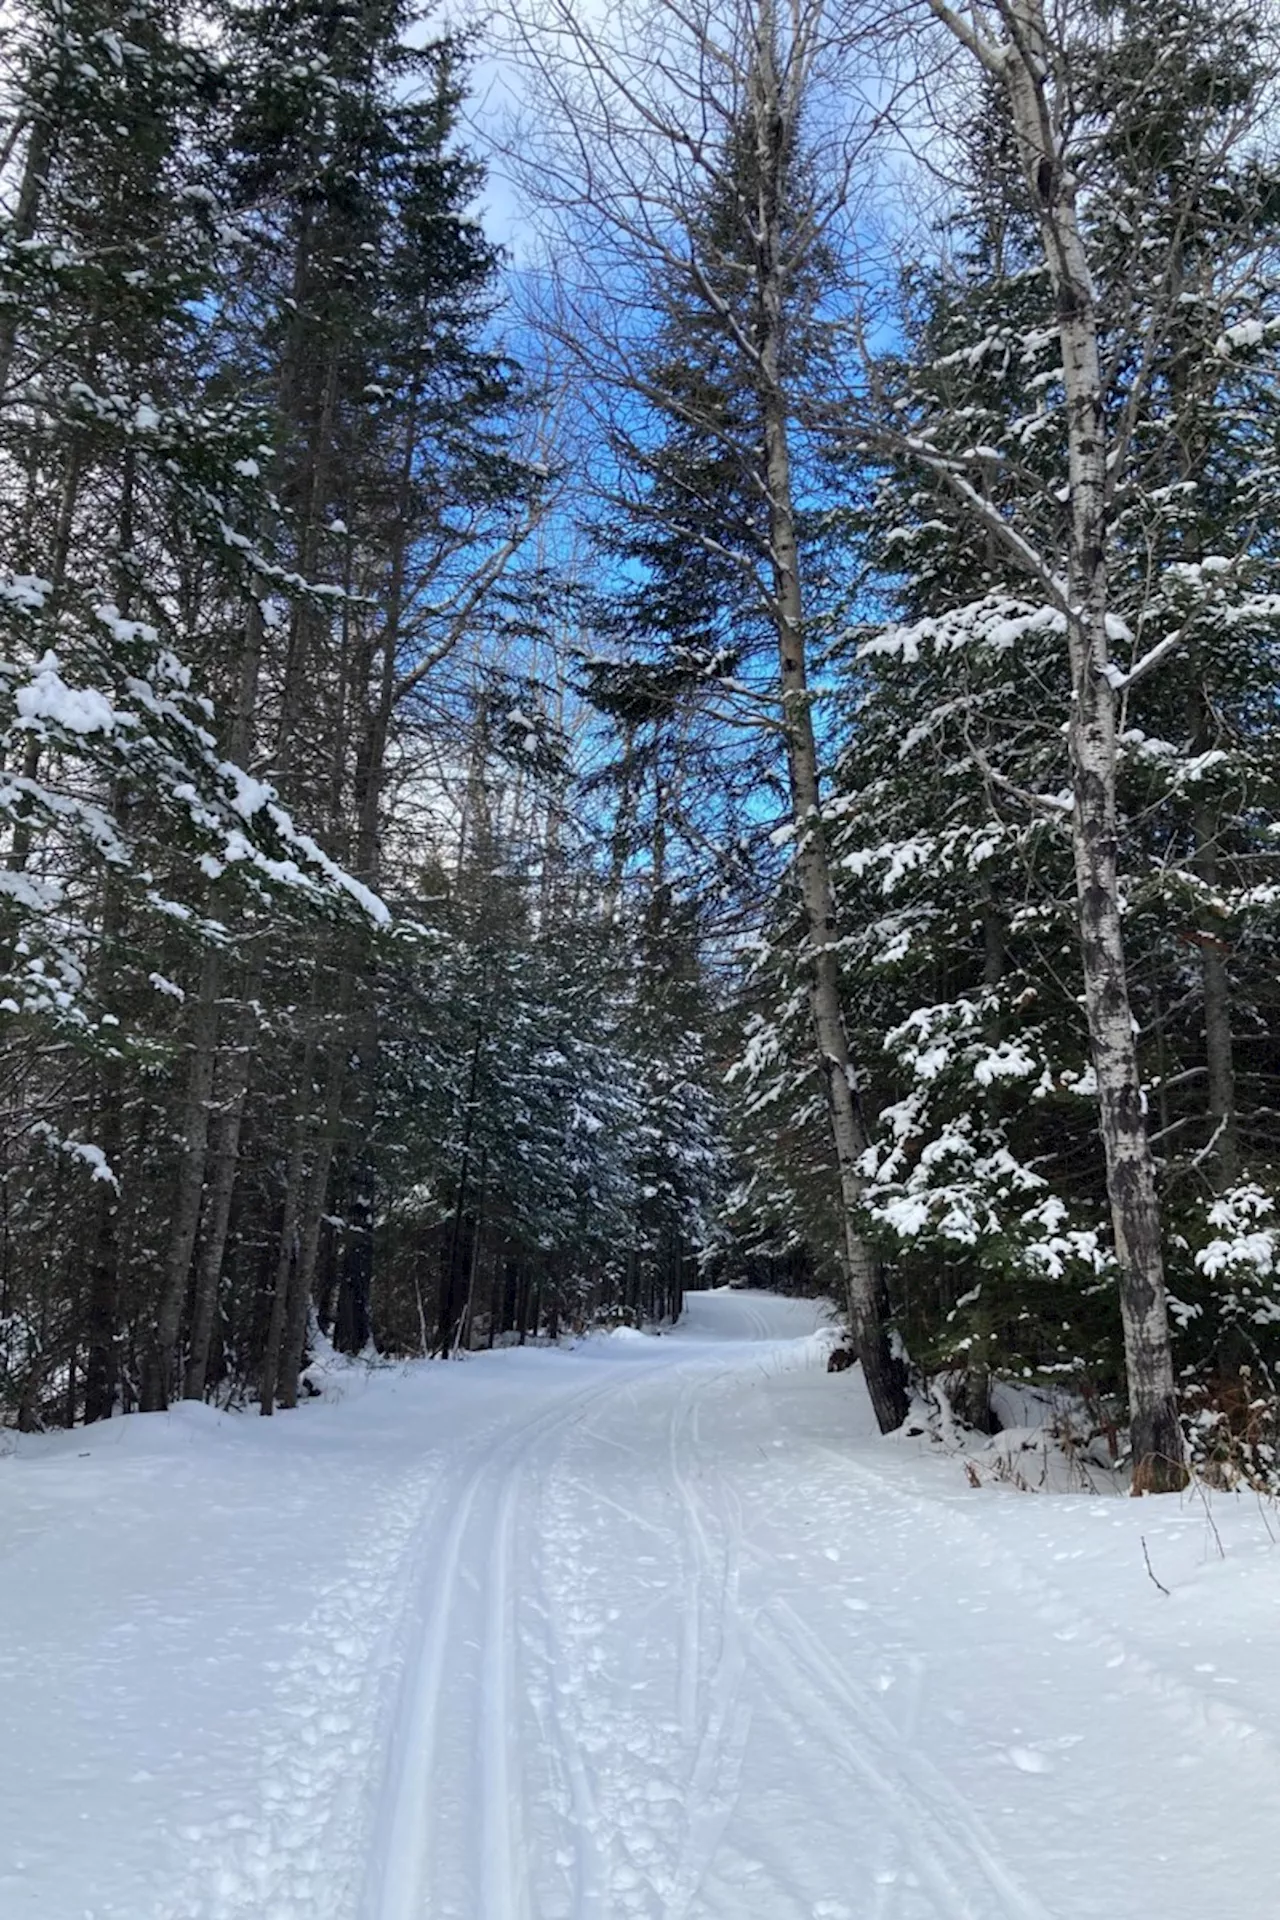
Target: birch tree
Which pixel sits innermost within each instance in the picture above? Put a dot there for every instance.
(1015, 43)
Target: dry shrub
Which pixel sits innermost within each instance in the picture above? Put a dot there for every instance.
(1233, 1430)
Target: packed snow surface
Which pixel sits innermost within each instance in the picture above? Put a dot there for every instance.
(652, 1629)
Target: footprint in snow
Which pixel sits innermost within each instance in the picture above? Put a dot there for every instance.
(1027, 1760)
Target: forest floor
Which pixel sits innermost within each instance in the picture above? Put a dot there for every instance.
(651, 1629)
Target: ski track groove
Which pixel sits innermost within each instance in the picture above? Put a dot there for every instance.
(401, 1848)
(592, 1857)
(934, 1831)
(504, 1887)
(950, 1850)
(713, 1726)
(802, 1669)
(900, 1776)
(582, 1657)
(398, 1852)
(590, 1861)
(311, 1794)
(716, 1763)
(691, 1611)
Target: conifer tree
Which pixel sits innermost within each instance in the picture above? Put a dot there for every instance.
(722, 240)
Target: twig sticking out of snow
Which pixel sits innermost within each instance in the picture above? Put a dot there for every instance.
(1150, 1570)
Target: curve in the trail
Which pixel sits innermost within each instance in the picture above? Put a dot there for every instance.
(729, 1315)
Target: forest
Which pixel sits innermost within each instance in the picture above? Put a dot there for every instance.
(641, 648)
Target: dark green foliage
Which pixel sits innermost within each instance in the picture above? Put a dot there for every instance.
(961, 977)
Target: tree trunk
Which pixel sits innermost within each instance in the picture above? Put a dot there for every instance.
(867, 1298)
(306, 625)
(453, 1290)
(352, 1318)
(159, 1377)
(287, 1253)
(286, 1256)
(41, 144)
(223, 1168)
(1218, 1041)
(302, 1278)
(102, 1368)
(102, 1361)
(1158, 1453)
(1223, 1155)
(73, 474)
(198, 1185)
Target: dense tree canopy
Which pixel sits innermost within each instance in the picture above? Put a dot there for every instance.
(758, 756)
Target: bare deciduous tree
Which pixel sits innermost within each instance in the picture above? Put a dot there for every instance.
(669, 149)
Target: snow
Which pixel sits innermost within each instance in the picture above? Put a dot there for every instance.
(1007, 1060)
(84, 1151)
(126, 633)
(998, 622)
(1247, 333)
(48, 697)
(250, 795)
(652, 1628)
(1247, 1249)
(26, 591)
(93, 1157)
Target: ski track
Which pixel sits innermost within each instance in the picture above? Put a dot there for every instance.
(943, 1832)
(962, 1867)
(408, 1851)
(631, 1645)
(278, 1853)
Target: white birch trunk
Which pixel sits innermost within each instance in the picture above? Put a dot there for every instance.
(1024, 60)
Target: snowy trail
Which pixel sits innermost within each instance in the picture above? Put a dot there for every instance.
(449, 1837)
(652, 1630)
